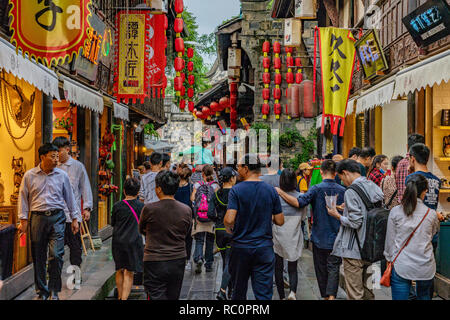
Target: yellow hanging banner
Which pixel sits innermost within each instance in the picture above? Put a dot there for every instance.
(337, 58)
(49, 30)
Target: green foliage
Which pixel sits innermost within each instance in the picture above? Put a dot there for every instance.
(289, 137)
(308, 148)
(270, 5)
(149, 129)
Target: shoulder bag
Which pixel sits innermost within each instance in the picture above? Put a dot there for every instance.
(386, 278)
(132, 210)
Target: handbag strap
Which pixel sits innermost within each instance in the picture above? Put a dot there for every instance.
(132, 210)
(411, 235)
(392, 198)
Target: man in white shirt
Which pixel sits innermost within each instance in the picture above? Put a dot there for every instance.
(147, 193)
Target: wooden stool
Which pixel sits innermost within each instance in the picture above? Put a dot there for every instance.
(84, 229)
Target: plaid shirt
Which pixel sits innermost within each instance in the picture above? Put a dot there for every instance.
(376, 176)
(400, 176)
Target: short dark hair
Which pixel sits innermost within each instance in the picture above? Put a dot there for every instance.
(185, 173)
(415, 138)
(252, 161)
(156, 158)
(205, 143)
(46, 148)
(354, 151)
(328, 166)
(421, 152)
(165, 158)
(394, 162)
(288, 180)
(147, 165)
(131, 186)
(328, 156)
(61, 142)
(349, 165)
(367, 152)
(168, 182)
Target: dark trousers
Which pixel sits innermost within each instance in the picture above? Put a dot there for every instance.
(223, 242)
(293, 275)
(163, 279)
(255, 263)
(47, 235)
(326, 267)
(200, 239)
(73, 241)
(188, 247)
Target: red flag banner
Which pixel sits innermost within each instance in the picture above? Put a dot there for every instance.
(157, 56)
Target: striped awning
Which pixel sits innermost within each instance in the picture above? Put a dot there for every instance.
(82, 95)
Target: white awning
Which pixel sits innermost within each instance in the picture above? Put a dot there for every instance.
(81, 95)
(428, 72)
(34, 73)
(379, 95)
(350, 106)
(120, 111)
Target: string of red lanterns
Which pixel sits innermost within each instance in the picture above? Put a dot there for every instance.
(179, 63)
(233, 105)
(191, 79)
(277, 79)
(266, 80)
(289, 75)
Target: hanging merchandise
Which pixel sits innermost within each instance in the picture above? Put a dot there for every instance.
(132, 58)
(106, 164)
(179, 47)
(50, 32)
(337, 59)
(289, 76)
(277, 79)
(266, 79)
(191, 77)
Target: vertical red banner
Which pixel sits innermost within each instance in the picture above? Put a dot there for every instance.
(157, 55)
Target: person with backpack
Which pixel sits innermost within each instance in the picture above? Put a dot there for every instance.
(216, 212)
(127, 244)
(410, 230)
(350, 243)
(203, 231)
(389, 187)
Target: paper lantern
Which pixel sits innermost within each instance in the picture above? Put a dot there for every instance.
(190, 93)
(191, 106)
(178, 83)
(265, 110)
(277, 93)
(190, 53)
(277, 78)
(277, 63)
(289, 49)
(190, 66)
(183, 76)
(266, 47)
(295, 102)
(290, 62)
(266, 78)
(276, 47)
(306, 98)
(179, 6)
(277, 110)
(179, 64)
(266, 93)
(182, 91)
(182, 104)
(298, 78)
(178, 25)
(179, 45)
(200, 115)
(224, 103)
(191, 79)
(206, 111)
(290, 77)
(215, 107)
(298, 62)
(266, 62)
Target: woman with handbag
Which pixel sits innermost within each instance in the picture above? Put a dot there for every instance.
(408, 247)
(127, 244)
(389, 187)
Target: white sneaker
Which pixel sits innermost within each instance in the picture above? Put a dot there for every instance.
(292, 296)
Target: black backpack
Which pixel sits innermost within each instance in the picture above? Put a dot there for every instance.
(376, 225)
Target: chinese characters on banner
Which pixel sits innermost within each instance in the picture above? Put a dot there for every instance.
(132, 58)
(49, 30)
(337, 57)
(157, 56)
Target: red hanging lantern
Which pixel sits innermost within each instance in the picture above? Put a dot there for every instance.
(183, 76)
(179, 64)
(215, 107)
(178, 83)
(289, 77)
(224, 103)
(182, 104)
(277, 78)
(266, 78)
(191, 106)
(191, 79)
(277, 63)
(298, 62)
(179, 6)
(265, 110)
(266, 62)
(289, 49)
(178, 25)
(190, 93)
(276, 47)
(190, 53)
(233, 87)
(179, 45)
(266, 93)
(182, 91)
(199, 115)
(289, 62)
(277, 110)
(277, 93)
(190, 66)
(298, 77)
(266, 47)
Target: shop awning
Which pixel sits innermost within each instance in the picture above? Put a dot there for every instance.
(121, 111)
(379, 95)
(35, 74)
(81, 95)
(428, 72)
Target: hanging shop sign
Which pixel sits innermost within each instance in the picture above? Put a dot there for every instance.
(292, 32)
(429, 22)
(370, 54)
(131, 67)
(305, 9)
(157, 55)
(337, 57)
(50, 30)
(86, 64)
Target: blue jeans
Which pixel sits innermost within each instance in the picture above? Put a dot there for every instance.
(401, 287)
(209, 248)
(255, 263)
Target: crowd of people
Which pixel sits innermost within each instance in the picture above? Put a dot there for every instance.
(259, 216)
